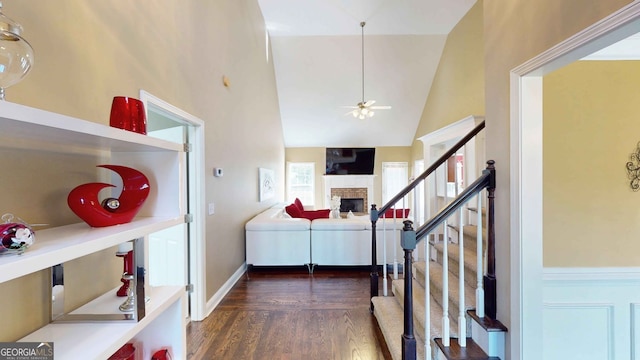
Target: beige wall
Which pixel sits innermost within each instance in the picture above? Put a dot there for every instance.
(317, 155)
(88, 51)
(458, 86)
(591, 127)
(514, 32)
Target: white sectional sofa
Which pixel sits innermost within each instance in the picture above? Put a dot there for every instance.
(274, 240)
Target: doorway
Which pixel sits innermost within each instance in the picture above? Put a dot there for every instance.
(179, 251)
(526, 169)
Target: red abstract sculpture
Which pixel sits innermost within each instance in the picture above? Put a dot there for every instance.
(83, 200)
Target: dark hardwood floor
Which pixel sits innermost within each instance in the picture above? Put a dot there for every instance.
(291, 314)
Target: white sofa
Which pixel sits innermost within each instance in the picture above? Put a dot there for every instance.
(273, 240)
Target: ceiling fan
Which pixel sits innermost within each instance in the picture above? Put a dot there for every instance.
(365, 109)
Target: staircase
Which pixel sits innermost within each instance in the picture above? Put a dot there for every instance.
(437, 297)
(389, 310)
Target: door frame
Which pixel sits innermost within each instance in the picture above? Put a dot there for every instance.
(442, 136)
(526, 166)
(196, 168)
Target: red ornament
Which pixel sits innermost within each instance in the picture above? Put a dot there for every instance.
(83, 200)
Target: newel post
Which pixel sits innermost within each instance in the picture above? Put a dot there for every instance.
(490, 291)
(374, 256)
(408, 242)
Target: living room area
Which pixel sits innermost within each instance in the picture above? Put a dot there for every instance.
(220, 61)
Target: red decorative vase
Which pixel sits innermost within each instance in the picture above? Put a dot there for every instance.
(126, 352)
(128, 113)
(83, 200)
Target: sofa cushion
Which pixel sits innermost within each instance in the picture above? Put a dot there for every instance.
(278, 225)
(338, 224)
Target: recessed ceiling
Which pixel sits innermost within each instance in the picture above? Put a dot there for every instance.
(316, 47)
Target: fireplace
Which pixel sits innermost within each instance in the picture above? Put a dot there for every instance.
(354, 199)
(349, 188)
(355, 205)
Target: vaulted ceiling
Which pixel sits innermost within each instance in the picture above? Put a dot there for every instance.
(317, 56)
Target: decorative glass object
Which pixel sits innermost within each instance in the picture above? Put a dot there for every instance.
(15, 235)
(83, 199)
(16, 55)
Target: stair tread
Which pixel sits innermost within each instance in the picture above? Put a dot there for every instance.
(470, 261)
(435, 272)
(390, 320)
(435, 310)
(475, 210)
(471, 230)
(471, 352)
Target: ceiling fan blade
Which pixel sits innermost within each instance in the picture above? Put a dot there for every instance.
(369, 103)
(381, 107)
(349, 107)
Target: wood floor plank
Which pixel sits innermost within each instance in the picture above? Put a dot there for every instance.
(291, 314)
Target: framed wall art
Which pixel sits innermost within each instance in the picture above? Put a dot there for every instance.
(266, 179)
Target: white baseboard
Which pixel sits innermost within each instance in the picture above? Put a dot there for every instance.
(224, 290)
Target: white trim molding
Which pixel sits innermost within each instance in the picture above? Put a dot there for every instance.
(608, 274)
(526, 193)
(591, 313)
(216, 299)
(635, 331)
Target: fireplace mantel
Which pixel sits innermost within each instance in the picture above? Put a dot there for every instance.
(347, 181)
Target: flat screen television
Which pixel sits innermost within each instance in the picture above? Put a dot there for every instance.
(350, 161)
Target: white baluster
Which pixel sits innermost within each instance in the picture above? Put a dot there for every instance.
(427, 306)
(479, 266)
(462, 321)
(384, 257)
(446, 333)
(446, 341)
(395, 248)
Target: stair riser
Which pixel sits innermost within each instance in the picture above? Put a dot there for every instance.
(470, 239)
(436, 292)
(454, 307)
(469, 273)
(418, 324)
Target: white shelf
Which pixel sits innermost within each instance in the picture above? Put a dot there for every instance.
(57, 245)
(99, 340)
(22, 126)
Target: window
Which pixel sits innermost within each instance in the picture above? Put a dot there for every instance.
(301, 182)
(395, 177)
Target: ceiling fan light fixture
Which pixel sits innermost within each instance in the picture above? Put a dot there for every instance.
(364, 109)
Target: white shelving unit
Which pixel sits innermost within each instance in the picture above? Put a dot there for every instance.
(163, 326)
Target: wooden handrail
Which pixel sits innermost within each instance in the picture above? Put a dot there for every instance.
(484, 181)
(441, 160)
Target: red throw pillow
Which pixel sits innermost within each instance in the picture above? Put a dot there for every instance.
(298, 203)
(316, 214)
(400, 213)
(293, 211)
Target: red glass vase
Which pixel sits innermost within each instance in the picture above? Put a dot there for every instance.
(128, 113)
